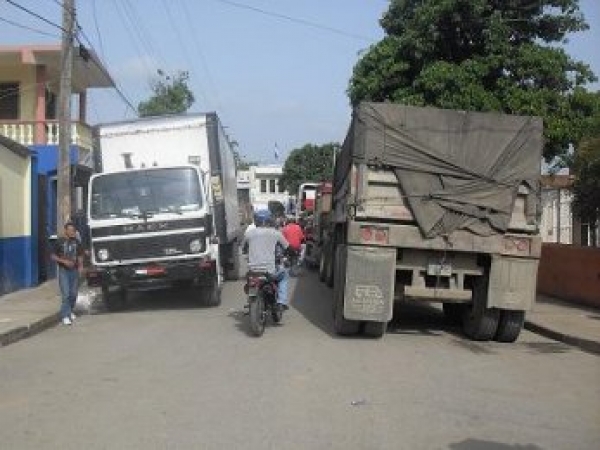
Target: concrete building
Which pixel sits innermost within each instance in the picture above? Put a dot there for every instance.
(29, 85)
(262, 184)
(557, 215)
(18, 217)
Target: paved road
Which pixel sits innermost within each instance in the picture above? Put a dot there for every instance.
(169, 374)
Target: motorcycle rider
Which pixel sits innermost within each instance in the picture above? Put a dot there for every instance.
(293, 233)
(262, 242)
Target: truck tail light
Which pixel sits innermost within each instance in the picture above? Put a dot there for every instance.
(515, 245)
(374, 234)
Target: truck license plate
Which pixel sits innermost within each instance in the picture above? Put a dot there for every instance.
(439, 269)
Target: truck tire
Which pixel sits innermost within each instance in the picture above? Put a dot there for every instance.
(231, 252)
(510, 325)
(454, 312)
(114, 301)
(374, 329)
(322, 268)
(211, 296)
(480, 323)
(341, 325)
(330, 265)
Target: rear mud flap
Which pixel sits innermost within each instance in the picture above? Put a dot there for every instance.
(370, 280)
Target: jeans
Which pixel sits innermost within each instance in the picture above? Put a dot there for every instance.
(68, 281)
(282, 276)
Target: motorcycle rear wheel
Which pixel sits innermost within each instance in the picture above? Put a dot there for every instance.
(257, 316)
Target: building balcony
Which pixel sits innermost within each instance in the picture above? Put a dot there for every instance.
(45, 133)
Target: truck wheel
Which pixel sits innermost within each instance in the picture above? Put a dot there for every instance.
(232, 252)
(330, 262)
(211, 296)
(454, 312)
(114, 301)
(374, 329)
(341, 325)
(322, 269)
(510, 325)
(480, 323)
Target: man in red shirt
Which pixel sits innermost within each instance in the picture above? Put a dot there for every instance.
(293, 233)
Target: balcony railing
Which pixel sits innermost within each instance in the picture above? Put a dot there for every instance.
(45, 133)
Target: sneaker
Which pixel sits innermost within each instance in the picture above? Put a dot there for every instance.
(73, 317)
(67, 321)
(283, 307)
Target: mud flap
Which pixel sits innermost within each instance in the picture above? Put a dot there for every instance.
(512, 283)
(370, 280)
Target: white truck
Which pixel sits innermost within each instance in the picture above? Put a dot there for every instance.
(163, 211)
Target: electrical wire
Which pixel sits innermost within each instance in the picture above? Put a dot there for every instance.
(25, 27)
(36, 15)
(295, 20)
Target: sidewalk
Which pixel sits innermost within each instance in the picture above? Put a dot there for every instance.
(30, 311)
(27, 312)
(566, 322)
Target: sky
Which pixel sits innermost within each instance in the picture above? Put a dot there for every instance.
(275, 71)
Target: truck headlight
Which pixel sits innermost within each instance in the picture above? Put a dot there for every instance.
(102, 254)
(196, 246)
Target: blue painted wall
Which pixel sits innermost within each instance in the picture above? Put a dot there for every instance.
(16, 263)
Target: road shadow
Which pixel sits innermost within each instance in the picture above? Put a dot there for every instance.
(314, 300)
(149, 301)
(479, 444)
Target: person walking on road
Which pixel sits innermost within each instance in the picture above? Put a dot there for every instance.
(68, 254)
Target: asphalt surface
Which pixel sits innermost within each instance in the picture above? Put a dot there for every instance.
(168, 374)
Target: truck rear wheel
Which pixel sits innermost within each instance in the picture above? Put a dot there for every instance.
(374, 329)
(330, 262)
(510, 325)
(114, 301)
(230, 259)
(322, 268)
(341, 325)
(211, 295)
(480, 323)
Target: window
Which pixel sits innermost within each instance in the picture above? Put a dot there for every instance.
(9, 101)
(263, 186)
(272, 186)
(50, 105)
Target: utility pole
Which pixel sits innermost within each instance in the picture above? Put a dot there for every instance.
(64, 117)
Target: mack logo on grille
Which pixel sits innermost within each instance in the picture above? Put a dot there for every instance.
(141, 227)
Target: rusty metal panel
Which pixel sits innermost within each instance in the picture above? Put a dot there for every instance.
(512, 283)
(370, 280)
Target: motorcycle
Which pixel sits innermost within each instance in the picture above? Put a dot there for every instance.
(261, 289)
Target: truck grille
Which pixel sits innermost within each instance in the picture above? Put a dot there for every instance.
(149, 247)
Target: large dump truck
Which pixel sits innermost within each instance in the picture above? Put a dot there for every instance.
(435, 205)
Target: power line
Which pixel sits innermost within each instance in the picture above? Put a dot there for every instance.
(25, 27)
(36, 15)
(95, 15)
(296, 20)
(103, 69)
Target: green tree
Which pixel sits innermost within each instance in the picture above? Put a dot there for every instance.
(483, 55)
(170, 95)
(586, 189)
(306, 164)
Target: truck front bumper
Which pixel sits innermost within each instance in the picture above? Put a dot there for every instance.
(154, 275)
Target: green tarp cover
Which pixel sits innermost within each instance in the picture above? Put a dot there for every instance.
(458, 170)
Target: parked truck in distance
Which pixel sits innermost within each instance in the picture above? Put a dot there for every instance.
(435, 205)
(164, 210)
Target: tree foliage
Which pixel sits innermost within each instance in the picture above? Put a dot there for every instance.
(310, 163)
(170, 95)
(483, 55)
(586, 189)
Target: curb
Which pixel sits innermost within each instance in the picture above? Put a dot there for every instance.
(12, 336)
(585, 345)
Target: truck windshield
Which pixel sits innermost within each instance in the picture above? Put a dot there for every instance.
(137, 193)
